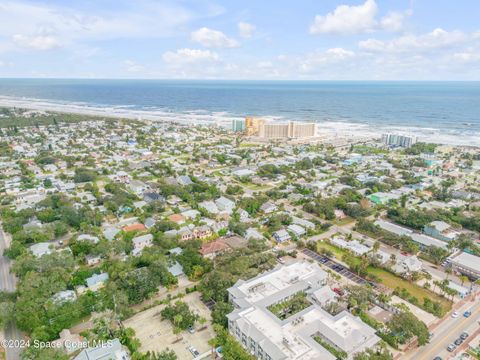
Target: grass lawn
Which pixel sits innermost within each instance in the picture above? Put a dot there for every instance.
(338, 252)
(344, 221)
(252, 186)
(335, 250)
(420, 293)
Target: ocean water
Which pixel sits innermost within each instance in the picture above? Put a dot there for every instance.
(446, 111)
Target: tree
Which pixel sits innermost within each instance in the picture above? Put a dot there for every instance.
(406, 325)
(381, 353)
(36, 353)
(231, 349)
(463, 279)
(179, 315)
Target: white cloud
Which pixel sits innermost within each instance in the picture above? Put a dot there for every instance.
(347, 19)
(37, 42)
(323, 58)
(467, 56)
(394, 20)
(245, 29)
(356, 19)
(213, 38)
(189, 56)
(436, 39)
(132, 66)
(46, 26)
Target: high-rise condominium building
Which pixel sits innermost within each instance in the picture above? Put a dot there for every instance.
(290, 130)
(252, 125)
(238, 125)
(398, 140)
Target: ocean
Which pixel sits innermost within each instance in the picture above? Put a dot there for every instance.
(447, 112)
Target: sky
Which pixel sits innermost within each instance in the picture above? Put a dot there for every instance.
(248, 39)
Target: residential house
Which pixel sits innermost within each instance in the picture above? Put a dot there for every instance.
(41, 248)
(141, 242)
(114, 351)
(213, 248)
(441, 230)
(96, 281)
(281, 236)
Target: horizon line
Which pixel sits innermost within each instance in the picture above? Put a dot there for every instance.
(237, 80)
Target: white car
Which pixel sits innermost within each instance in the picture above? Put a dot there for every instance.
(455, 314)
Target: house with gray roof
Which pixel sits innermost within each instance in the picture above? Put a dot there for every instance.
(110, 350)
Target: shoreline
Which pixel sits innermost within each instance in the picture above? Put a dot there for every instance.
(329, 127)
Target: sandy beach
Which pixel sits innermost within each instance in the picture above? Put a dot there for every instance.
(199, 117)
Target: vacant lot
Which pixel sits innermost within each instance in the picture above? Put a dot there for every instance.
(157, 335)
(420, 293)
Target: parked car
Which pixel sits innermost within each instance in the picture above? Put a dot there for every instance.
(193, 351)
(464, 335)
(338, 291)
(437, 358)
(455, 314)
(467, 313)
(458, 342)
(191, 329)
(451, 347)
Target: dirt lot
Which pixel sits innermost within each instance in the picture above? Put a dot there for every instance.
(157, 335)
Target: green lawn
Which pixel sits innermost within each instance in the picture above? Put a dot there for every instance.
(344, 221)
(338, 252)
(335, 250)
(392, 281)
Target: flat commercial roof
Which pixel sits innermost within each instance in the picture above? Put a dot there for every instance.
(467, 260)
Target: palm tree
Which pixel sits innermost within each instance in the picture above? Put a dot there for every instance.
(393, 258)
(448, 271)
(202, 321)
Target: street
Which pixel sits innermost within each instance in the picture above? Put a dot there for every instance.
(8, 283)
(447, 332)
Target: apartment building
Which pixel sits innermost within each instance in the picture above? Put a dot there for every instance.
(398, 140)
(269, 337)
(290, 130)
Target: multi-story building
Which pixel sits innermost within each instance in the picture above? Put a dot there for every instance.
(290, 130)
(238, 125)
(256, 324)
(466, 264)
(441, 230)
(398, 140)
(252, 125)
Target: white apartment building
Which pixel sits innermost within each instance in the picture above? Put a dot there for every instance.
(290, 130)
(267, 337)
(399, 140)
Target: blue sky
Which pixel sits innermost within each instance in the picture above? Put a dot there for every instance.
(203, 39)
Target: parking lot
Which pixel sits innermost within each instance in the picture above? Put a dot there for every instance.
(157, 335)
(342, 270)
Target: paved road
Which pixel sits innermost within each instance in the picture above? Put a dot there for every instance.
(8, 282)
(447, 332)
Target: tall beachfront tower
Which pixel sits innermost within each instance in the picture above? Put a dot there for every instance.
(253, 124)
(238, 125)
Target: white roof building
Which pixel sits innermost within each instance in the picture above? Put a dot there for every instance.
(266, 336)
(40, 249)
(467, 264)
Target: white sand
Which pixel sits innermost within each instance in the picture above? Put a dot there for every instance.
(329, 128)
